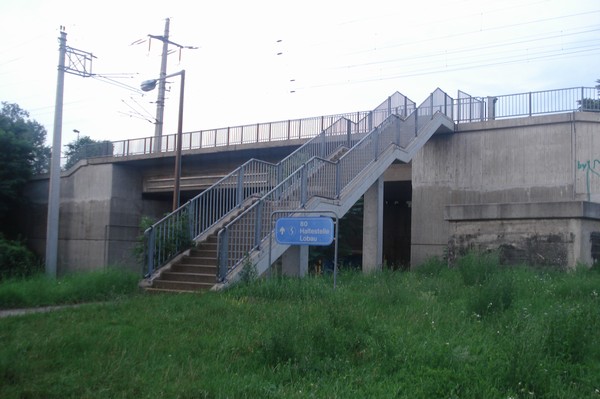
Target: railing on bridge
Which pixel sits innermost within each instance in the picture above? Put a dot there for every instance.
(466, 108)
(319, 177)
(248, 134)
(474, 109)
(174, 233)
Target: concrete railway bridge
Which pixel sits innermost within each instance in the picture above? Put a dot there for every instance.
(517, 173)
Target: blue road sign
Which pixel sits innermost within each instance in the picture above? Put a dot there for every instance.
(304, 231)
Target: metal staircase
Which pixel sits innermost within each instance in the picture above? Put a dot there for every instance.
(328, 173)
(170, 241)
(325, 185)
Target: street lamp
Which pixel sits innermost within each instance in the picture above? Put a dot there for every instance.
(149, 85)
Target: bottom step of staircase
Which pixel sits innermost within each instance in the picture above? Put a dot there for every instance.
(152, 290)
(181, 285)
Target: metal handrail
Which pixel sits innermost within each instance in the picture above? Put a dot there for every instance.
(466, 109)
(232, 190)
(320, 177)
(473, 109)
(176, 232)
(293, 129)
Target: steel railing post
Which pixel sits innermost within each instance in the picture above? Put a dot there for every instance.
(188, 207)
(376, 136)
(240, 188)
(222, 250)
(431, 106)
(337, 179)
(445, 104)
(258, 224)
(416, 121)
(303, 185)
(279, 173)
(150, 250)
(349, 133)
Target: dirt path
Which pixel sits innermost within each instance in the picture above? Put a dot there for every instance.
(43, 309)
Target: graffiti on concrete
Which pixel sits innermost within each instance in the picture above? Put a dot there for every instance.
(589, 167)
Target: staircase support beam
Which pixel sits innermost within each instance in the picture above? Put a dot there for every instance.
(295, 261)
(372, 257)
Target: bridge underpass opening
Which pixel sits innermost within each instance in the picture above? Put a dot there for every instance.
(397, 224)
(396, 233)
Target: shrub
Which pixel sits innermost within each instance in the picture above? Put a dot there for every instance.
(495, 295)
(79, 287)
(475, 268)
(431, 267)
(171, 237)
(16, 260)
(248, 273)
(571, 332)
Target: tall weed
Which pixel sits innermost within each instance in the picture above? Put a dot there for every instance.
(73, 288)
(494, 295)
(475, 268)
(572, 331)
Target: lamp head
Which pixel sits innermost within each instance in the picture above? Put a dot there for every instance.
(148, 85)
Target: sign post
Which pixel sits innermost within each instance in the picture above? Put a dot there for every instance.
(300, 230)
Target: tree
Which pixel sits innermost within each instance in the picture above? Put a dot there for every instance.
(85, 147)
(591, 104)
(22, 154)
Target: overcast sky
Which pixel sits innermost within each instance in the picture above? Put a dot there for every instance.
(262, 60)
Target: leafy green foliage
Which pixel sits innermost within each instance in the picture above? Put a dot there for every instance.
(16, 260)
(170, 238)
(23, 155)
(139, 250)
(349, 236)
(475, 268)
(15, 121)
(85, 147)
(100, 285)
(590, 104)
(248, 273)
(386, 334)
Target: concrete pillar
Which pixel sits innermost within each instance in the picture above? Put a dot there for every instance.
(295, 261)
(373, 227)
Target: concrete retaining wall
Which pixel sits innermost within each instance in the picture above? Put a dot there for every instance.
(100, 212)
(528, 160)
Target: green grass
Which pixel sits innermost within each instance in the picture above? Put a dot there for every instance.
(433, 333)
(73, 288)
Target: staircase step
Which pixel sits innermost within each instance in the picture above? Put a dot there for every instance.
(189, 277)
(196, 269)
(152, 290)
(203, 248)
(181, 285)
(202, 255)
(199, 260)
(210, 242)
